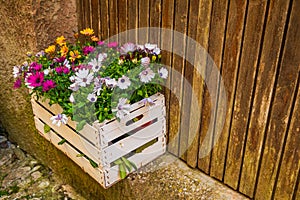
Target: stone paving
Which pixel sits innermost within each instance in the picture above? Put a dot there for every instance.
(23, 177)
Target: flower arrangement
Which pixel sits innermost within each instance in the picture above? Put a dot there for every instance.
(92, 75)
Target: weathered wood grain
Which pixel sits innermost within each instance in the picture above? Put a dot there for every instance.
(179, 45)
(244, 90)
(123, 18)
(132, 22)
(203, 27)
(87, 13)
(155, 20)
(167, 45)
(113, 18)
(216, 44)
(104, 17)
(282, 105)
(143, 21)
(290, 165)
(230, 66)
(95, 16)
(263, 92)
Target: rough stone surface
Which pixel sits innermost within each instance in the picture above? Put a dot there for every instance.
(19, 179)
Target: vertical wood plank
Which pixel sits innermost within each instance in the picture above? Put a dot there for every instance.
(133, 17)
(179, 45)
(230, 66)
(167, 45)
(113, 18)
(104, 30)
(188, 78)
(79, 10)
(282, 106)
(143, 21)
(122, 17)
(290, 165)
(95, 16)
(263, 92)
(87, 13)
(203, 27)
(245, 84)
(216, 43)
(155, 20)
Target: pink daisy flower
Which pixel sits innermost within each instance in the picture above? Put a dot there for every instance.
(48, 84)
(35, 80)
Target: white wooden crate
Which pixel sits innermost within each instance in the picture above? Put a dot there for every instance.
(105, 143)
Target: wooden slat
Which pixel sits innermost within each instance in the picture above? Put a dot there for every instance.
(188, 78)
(282, 106)
(132, 22)
(290, 165)
(143, 21)
(155, 19)
(79, 14)
(88, 131)
(122, 17)
(167, 45)
(230, 66)
(104, 17)
(95, 16)
(245, 84)
(203, 27)
(84, 146)
(179, 45)
(130, 143)
(87, 13)
(113, 19)
(263, 92)
(96, 173)
(216, 40)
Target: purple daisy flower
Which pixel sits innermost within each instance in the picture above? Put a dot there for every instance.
(48, 84)
(35, 66)
(87, 49)
(17, 84)
(35, 80)
(112, 44)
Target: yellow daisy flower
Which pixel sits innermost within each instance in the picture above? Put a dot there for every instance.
(94, 39)
(87, 31)
(50, 49)
(74, 55)
(64, 50)
(60, 40)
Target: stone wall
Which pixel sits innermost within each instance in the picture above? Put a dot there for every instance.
(31, 25)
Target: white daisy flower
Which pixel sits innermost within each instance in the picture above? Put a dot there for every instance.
(97, 86)
(123, 82)
(74, 87)
(145, 61)
(47, 71)
(148, 102)
(150, 47)
(72, 78)
(102, 57)
(67, 64)
(92, 97)
(146, 75)
(95, 65)
(128, 47)
(110, 82)
(16, 71)
(83, 77)
(140, 47)
(156, 50)
(59, 119)
(72, 99)
(122, 108)
(163, 73)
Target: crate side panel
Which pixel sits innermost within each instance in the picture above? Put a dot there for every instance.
(67, 133)
(95, 173)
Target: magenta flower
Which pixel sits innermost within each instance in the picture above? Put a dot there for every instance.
(48, 84)
(35, 80)
(17, 84)
(35, 66)
(87, 49)
(59, 60)
(66, 70)
(100, 43)
(59, 69)
(112, 44)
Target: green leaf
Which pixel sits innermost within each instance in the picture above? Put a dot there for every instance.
(127, 164)
(62, 141)
(122, 171)
(133, 165)
(80, 155)
(80, 125)
(118, 162)
(140, 92)
(47, 128)
(93, 163)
